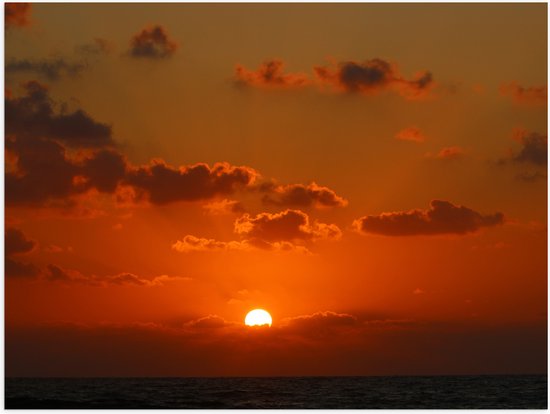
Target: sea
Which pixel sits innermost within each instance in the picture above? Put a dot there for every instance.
(393, 392)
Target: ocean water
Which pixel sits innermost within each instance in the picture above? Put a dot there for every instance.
(515, 391)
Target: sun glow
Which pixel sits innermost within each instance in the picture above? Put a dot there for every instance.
(258, 317)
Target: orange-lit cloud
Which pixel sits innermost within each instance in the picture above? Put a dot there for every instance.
(373, 76)
(288, 225)
(442, 217)
(191, 243)
(270, 74)
(17, 14)
(413, 134)
(448, 153)
(152, 43)
(532, 95)
(300, 195)
(223, 207)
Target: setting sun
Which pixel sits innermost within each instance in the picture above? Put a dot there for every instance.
(258, 317)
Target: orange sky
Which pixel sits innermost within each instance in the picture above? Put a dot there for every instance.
(373, 175)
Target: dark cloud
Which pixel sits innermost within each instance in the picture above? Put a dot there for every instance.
(163, 184)
(373, 76)
(43, 172)
(50, 69)
(16, 242)
(321, 324)
(208, 322)
(286, 231)
(441, 218)
(54, 155)
(36, 115)
(98, 46)
(15, 268)
(534, 149)
(531, 177)
(269, 74)
(17, 14)
(37, 135)
(289, 225)
(56, 273)
(212, 346)
(534, 95)
(299, 195)
(153, 43)
(104, 170)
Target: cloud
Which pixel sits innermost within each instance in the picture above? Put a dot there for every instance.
(51, 69)
(98, 46)
(448, 153)
(534, 149)
(270, 74)
(534, 95)
(163, 184)
(373, 76)
(56, 273)
(17, 243)
(45, 174)
(207, 322)
(280, 232)
(299, 195)
(152, 43)
(289, 225)
(191, 243)
(42, 169)
(198, 244)
(413, 134)
(14, 268)
(223, 207)
(531, 177)
(17, 14)
(60, 158)
(320, 324)
(213, 346)
(103, 170)
(442, 217)
(37, 116)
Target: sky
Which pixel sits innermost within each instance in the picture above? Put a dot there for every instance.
(372, 175)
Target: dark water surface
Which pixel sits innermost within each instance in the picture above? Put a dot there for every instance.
(517, 391)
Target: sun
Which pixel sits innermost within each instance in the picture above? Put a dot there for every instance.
(258, 317)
